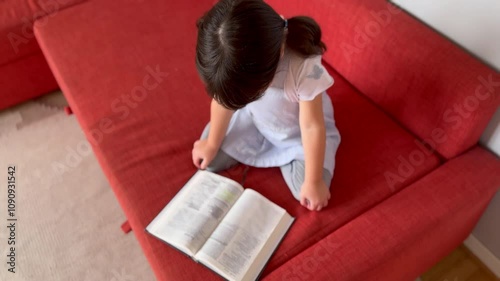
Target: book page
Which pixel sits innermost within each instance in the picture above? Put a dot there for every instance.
(240, 237)
(193, 214)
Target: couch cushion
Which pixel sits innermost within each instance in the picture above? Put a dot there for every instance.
(25, 78)
(134, 88)
(432, 87)
(16, 25)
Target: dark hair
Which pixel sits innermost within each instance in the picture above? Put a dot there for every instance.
(239, 48)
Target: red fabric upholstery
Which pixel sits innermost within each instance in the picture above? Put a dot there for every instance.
(16, 25)
(144, 145)
(408, 233)
(24, 79)
(12, 48)
(428, 84)
(24, 74)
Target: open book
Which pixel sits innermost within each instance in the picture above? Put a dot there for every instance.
(231, 230)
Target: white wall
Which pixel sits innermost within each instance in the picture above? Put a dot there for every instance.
(491, 136)
(475, 25)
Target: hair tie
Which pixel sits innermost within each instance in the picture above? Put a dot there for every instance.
(286, 23)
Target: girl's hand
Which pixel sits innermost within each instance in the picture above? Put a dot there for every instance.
(314, 196)
(203, 153)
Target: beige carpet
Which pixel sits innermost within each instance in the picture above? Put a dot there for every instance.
(68, 225)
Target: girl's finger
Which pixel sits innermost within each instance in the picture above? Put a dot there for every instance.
(196, 160)
(303, 201)
(313, 207)
(203, 164)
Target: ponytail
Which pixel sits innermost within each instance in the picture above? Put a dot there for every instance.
(304, 36)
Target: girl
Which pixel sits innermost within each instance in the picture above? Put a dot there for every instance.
(269, 107)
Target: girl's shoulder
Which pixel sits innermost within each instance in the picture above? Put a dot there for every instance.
(306, 77)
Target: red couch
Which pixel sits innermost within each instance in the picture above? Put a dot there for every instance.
(410, 181)
(24, 73)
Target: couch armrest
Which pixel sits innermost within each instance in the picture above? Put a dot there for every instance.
(409, 232)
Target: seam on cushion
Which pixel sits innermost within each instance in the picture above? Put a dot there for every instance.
(28, 55)
(51, 13)
(54, 14)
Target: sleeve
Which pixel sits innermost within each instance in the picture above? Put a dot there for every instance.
(309, 79)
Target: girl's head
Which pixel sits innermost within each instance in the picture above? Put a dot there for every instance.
(239, 46)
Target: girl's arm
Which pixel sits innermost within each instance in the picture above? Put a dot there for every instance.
(205, 150)
(314, 192)
(219, 121)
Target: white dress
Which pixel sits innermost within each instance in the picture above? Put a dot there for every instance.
(266, 132)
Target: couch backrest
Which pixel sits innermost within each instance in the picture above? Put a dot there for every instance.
(16, 25)
(426, 83)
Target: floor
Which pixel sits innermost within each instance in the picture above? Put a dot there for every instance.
(460, 265)
(68, 220)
